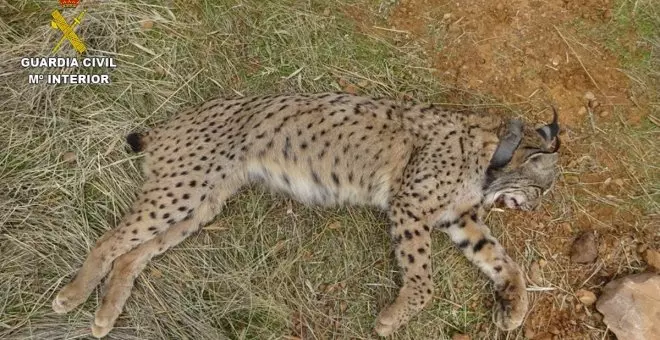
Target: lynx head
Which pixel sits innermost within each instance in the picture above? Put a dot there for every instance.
(524, 165)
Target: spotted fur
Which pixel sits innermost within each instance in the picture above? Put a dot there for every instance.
(427, 166)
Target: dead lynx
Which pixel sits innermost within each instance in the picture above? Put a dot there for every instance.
(428, 167)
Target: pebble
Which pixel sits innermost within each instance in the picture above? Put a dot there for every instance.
(69, 157)
(586, 297)
(652, 258)
(584, 248)
(589, 96)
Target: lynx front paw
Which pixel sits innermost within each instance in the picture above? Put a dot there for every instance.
(510, 306)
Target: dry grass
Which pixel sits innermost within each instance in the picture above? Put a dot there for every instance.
(267, 268)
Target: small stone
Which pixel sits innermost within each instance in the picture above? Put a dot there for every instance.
(618, 182)
(586, 297)
(350, 88)
(535, 274)
(447, 16)
(584, 248)
(641, 248)
(543, 263)
(555, 60)
(279, 246)
(460, 337)
(607, 182)
(326, 11)
(147, 25)
(604, 113)
(566, 227)
(572, 178)
(582, 111)
(589, 96)
(69, 157)
(631, 308)
(652, 258)
(334, 225)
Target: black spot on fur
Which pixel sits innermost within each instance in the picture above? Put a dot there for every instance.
(316, 178)
(335, 178)
(477, 247)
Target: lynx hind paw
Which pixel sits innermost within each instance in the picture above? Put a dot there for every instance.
(67, 299)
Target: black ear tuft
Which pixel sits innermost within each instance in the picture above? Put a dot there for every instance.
(549, 132)
(134, 139)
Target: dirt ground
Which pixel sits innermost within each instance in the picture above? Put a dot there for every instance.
(529, 55)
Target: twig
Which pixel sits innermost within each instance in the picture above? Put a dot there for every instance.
(591, 119)
(390, 29)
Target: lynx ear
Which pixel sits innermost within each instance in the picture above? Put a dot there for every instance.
(508, 144)
(549, 132)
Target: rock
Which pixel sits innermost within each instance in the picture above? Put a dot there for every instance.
(147, 25)
(584, 248)
(586, 297)
(555, 60)
(589, 96)
(334, 225)
(156, 274)
(631, 306)
(566, 227)
(641, 248)
(69, 157)
(652, 258)
(460, 337)
(535, 274)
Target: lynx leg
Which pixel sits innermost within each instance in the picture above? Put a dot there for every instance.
(154, 212)
(413, 249)
(128, 266)
(472, 236)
